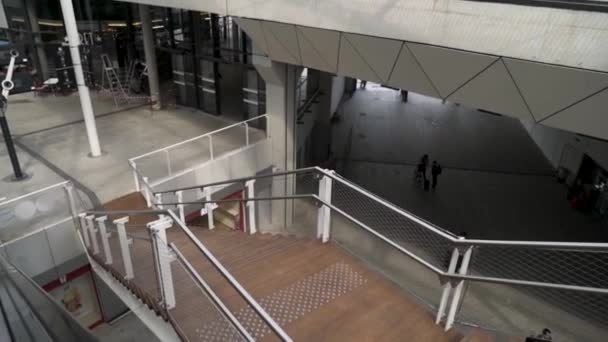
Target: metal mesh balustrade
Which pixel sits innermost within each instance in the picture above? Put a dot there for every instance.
(195, 315)
(524, 311)
(581, 267)
(392, 224)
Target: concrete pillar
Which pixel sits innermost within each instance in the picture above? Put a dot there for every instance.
(83, 91)
(150, 52)
(281, 81)
(35, 29)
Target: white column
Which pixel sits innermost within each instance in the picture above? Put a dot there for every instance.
(447, 287)
(93, 232)
(83, 90)
(105, 236)
(324, 212)
(150, 52)
(464, 268)
(208, 209)
(249, 185)
(180, 197)
(281, 82)
(125, 242)
(84, 229)
(164, 259)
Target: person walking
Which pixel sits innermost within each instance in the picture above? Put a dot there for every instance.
(435, 172)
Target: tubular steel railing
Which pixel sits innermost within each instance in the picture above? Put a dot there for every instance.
(539, 267)
(173, 161)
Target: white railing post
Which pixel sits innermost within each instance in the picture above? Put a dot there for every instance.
(447, 287)
(211, 146)
(168, 158)
(93, 232)
(84, 229)
(105, 235)
(324, 212)
(147, 192)
(208, 209)
(125, 242)
(180, 207)
(249, 185)
(246, 134)
(135, 176)
(163, 260)
(159, 204)
(457, 297)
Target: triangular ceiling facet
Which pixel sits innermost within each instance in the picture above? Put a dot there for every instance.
(549, 88)
(351, 63)
(319, 48)
(379, 53)
(449, 69)
(282, 42)
(253, 28)
(587, 117)
(495, 91)
(408, 75)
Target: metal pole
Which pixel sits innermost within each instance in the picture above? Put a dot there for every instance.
(150, 52)
(83, 91)
(7, 85)
(447, 287)
(464, 268)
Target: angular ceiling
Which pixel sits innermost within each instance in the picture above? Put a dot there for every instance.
(568, 98)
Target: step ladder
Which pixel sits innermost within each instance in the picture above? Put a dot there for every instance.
(110, 82)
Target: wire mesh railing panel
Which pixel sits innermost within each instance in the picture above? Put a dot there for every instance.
(395, 226)
(423, 283)
(582, 267)
(525, 311)
(144, 266)
(195, 315)
(33, 212)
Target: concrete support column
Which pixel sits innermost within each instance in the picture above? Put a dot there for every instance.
(150, 52)
(33, 19)
(83, 91)
(281, 81)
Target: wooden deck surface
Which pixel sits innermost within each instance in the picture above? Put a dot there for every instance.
(315, 291)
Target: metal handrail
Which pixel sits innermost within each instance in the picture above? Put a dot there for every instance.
(211, 294)
(131, 160)
(11, 200)
(240, 180)
(428, 265)
(237, 286)
(436, 230)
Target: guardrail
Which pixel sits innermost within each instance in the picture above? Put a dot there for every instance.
(570, 274)
(133, 245)
(167, 163)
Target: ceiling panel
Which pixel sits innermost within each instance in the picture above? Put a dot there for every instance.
(449, 69)
(253, 28)
(549, 88)
(379, 53)
(319, 48)
(351, 63)
(282, 42)
(408, 75)
(493, 90)
(586, 117)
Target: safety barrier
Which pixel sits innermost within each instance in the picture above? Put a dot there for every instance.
(565, 278)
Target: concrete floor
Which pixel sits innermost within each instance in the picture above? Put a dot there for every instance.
(495, 184)
(53, 146)
(126, 329)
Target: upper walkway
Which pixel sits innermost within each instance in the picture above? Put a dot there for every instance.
(550, 35)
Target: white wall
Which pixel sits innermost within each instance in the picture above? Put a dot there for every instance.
(566, 149)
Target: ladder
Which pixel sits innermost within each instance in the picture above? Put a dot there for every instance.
(110, 82)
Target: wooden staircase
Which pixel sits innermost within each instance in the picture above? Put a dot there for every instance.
(315, 291)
